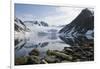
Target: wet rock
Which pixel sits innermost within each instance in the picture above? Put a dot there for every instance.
(77, 60)
(20, 60)
(77, 55)
(27, 60)
(89, 53)
(68, 50)
(34, 52)
(85, 52)
(52, 59)
(44, 61)
(33, 60)
(59, 54)
(64, 61)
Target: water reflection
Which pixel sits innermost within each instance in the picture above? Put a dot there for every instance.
(76, 40)
(28, 45)
(49, 41)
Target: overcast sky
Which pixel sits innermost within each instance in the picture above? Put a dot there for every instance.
(53, 15)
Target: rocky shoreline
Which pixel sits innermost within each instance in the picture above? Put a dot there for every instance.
(76, 53)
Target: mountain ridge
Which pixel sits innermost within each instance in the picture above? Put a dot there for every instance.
(81, 24)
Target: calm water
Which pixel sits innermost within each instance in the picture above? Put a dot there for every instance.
(43, 41)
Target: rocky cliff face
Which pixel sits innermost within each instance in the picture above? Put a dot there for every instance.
(19, 31)
(19, 25)
(83, 23)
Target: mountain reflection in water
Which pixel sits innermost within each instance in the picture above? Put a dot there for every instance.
(49, 41)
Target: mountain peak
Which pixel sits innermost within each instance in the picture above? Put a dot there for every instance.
(81, 24)
(86, 12)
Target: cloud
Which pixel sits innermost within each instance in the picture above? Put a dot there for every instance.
(30, 17)
(63, 15)
(25, 17)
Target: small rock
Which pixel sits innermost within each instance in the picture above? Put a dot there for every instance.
(33, 60)
(59, 54)
(68, 50)
(51, 59)
(20, 60)
(34, 52)
(44, 61)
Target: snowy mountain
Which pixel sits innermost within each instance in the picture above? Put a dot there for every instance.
(36, 23)
(82, 24)
(80, 30)
(19, 25)
(19, 30)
